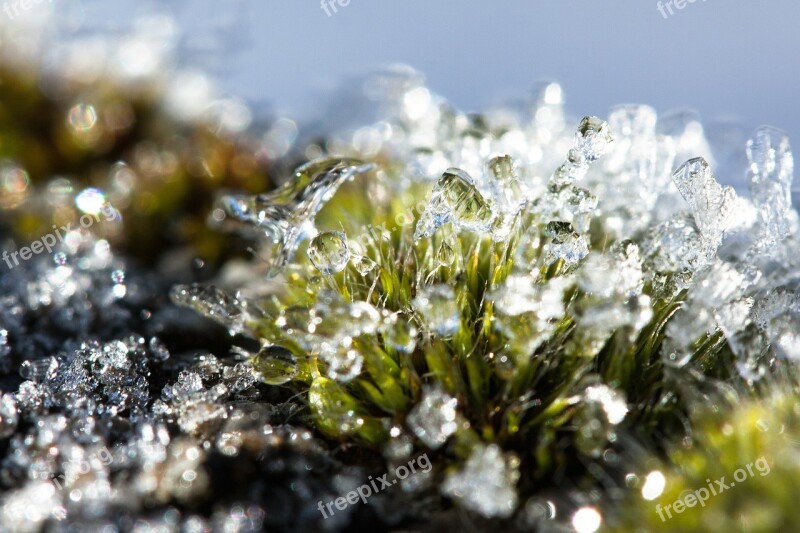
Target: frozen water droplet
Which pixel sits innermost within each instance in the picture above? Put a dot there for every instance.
(158, 349)
(454, 199)
(287, 214)
(593, 138)
(771, 174)
(508, 195)
(276, 365)
(526, 312)
(710, 202)
(340, 318)
(213, 303)
(328, 252)
(446, 255)
(566, 244)
(363, 264)
(433, 419)
(344, 363)
(507, 190)
(439, 309)
(40, 370)
(399, 333)
(487, 482)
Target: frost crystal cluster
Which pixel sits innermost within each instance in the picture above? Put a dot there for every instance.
(485, 285)
(568, 317)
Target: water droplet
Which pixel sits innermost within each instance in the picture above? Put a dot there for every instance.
(328, 252)
(363, 264)
(214, 303)
(276, 365)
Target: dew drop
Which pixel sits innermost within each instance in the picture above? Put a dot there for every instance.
(328, 252)
(276, 365)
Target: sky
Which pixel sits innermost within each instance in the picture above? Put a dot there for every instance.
(735, 61)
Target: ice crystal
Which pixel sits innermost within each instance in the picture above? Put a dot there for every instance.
(771, 174)
(287, 215)
(711, 203)
(487, 482)
(437, 306)
(212, 302)
(434, 419)
(456, 200)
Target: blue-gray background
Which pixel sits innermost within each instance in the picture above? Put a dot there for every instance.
(731, 59)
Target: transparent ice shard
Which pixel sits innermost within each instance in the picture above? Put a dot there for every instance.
(214, 303)
(593, 138)
(637, 170)
(438, 309)
(487, 482)
(711, 203)
(527, 312)
(508, 194)
(434, 418)
(617, 273)
(715, 288)
(566, 244)
(287, 214)
(770, 176)
(39, 370)
(456, 200)
(328, 252)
